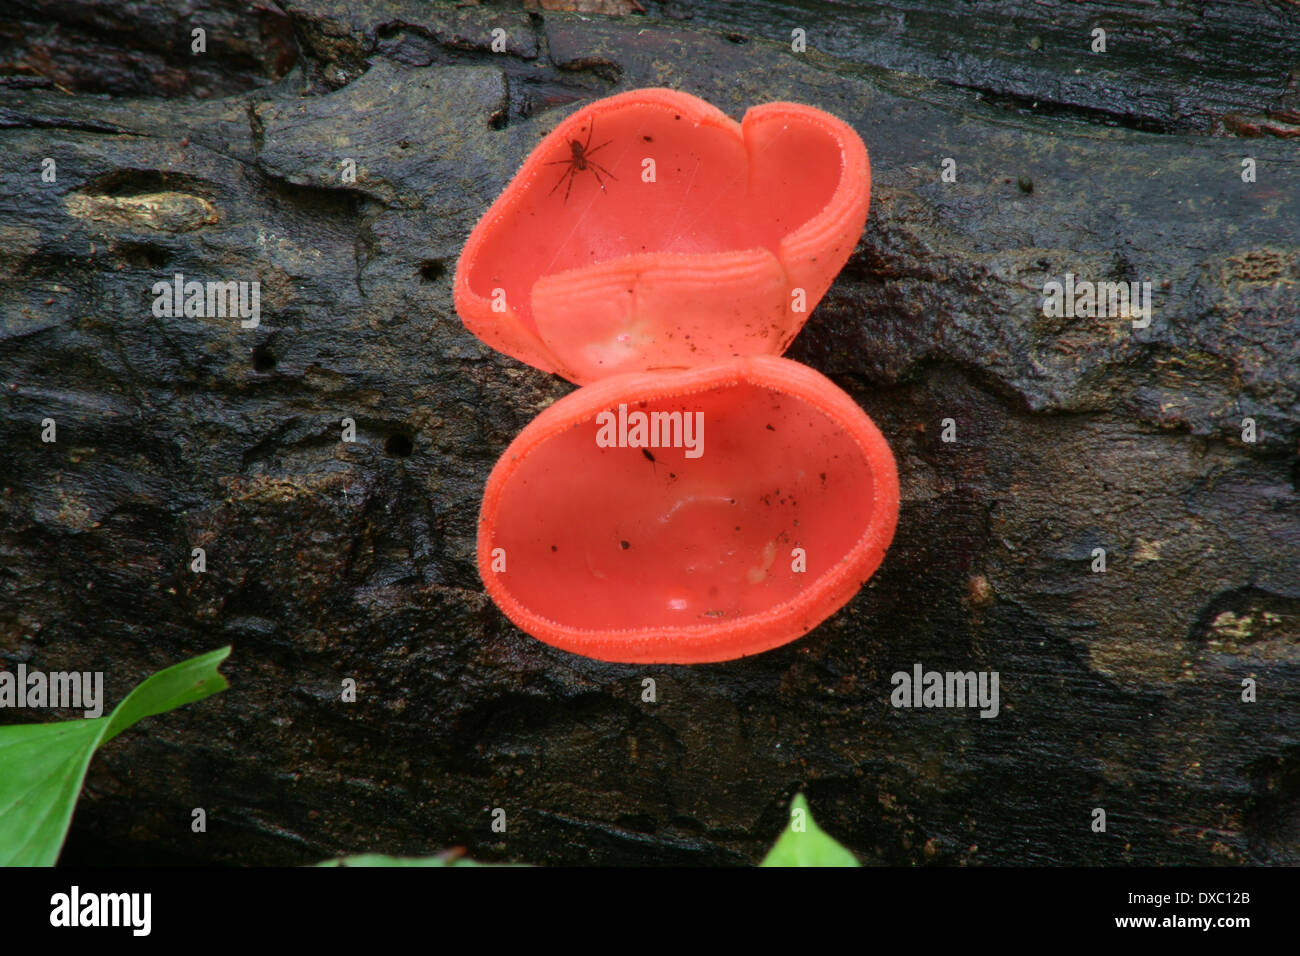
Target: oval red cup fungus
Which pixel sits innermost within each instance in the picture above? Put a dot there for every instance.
(651, 231)
(689, 516)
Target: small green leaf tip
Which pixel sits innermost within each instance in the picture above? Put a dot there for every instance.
(804, 843)
(42, 766)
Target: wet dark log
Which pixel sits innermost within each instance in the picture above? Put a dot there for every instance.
(1226, 66)
(327, 560)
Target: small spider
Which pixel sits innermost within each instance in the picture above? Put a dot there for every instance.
(581, 161)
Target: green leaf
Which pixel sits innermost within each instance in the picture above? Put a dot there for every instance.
(804, 843)
(42, 766)
(378, 859)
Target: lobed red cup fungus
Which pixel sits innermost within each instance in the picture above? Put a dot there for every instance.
(702, 499)
(650, 231)
(688, 516)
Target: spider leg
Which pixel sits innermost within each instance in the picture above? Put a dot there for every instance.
(573, 174)
(595, 166)
(590, 129)
(588, 152)
(567, 174)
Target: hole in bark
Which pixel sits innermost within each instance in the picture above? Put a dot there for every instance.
(431, 270)
(142, 255)
(499, 119)
(737, 38)
(136, 182)
(263, 359)
(399, 445)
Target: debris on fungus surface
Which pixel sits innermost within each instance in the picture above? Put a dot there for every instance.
(649, 230)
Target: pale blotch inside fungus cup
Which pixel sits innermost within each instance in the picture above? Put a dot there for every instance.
(775, 517)
(670, 236)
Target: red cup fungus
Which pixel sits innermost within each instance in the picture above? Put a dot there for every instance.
(700, 499)
(649, 230)
(689, 516)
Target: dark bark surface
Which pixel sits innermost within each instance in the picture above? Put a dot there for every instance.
(328, 560)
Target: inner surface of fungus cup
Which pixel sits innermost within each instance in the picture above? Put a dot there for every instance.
(768, 501)
(649, 230)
